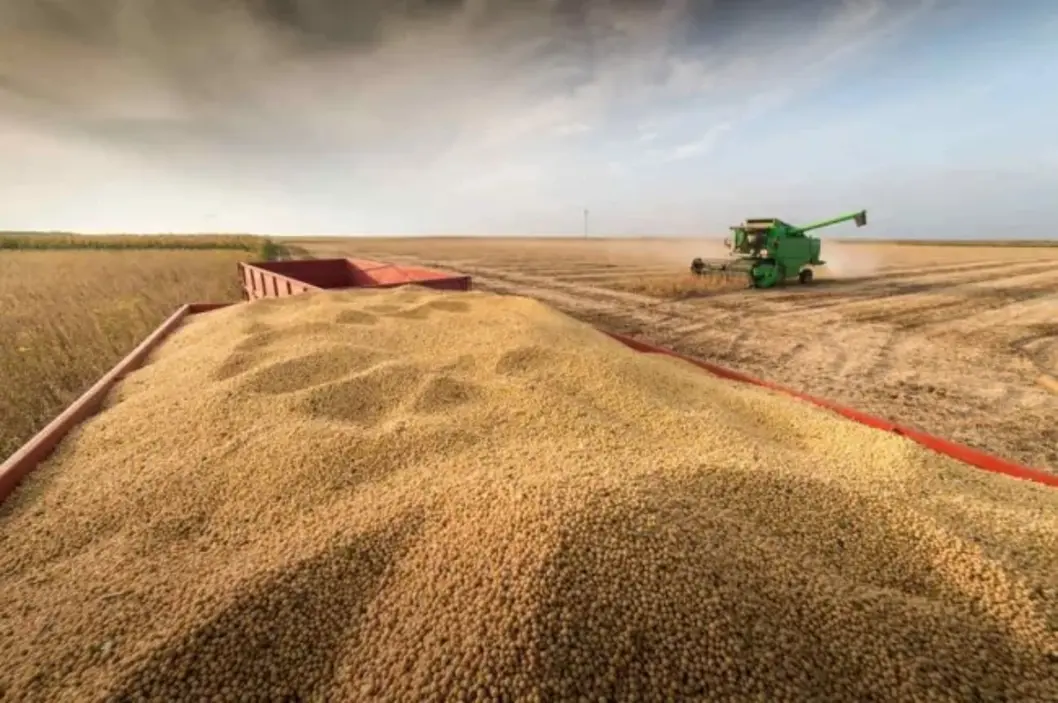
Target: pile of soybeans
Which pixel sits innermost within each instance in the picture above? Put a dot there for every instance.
(414, 495)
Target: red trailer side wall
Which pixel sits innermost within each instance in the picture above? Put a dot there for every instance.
(268, 279)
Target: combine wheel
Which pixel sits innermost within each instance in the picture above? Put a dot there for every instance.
(765, 276)
(805, 276)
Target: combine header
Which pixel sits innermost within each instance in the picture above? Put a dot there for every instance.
(771, 251)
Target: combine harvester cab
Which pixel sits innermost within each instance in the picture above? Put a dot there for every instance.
(769, 251)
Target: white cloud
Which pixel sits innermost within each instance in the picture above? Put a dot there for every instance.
(572, 128)
(773, 78)
(701, 146)
(418, 128)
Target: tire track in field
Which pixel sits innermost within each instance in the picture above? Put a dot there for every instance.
(959, 312)
(982, 301)
(1040, 346)
(1049, 275)
(984, 272)
(888, 296)
(531, 265)
(900, 272)
(616, 274)
(1013, 318)
(961, 301)
(576, 276)
(840, 295)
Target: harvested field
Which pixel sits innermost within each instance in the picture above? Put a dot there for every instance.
(68, 316)
(414, 495)
(957, 340)
(673, 287)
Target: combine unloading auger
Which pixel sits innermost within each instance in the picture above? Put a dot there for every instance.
(769, 251)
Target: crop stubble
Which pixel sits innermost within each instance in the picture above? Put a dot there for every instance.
(972, 368)
(417, 495)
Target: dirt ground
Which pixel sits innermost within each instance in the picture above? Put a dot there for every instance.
(959, 341)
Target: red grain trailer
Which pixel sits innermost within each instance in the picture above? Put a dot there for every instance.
(272, 279)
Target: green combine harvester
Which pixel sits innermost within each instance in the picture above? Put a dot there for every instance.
(771, 251)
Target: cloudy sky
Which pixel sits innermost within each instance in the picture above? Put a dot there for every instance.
(513, 116)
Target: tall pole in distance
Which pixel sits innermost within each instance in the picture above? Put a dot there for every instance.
(585, 223)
